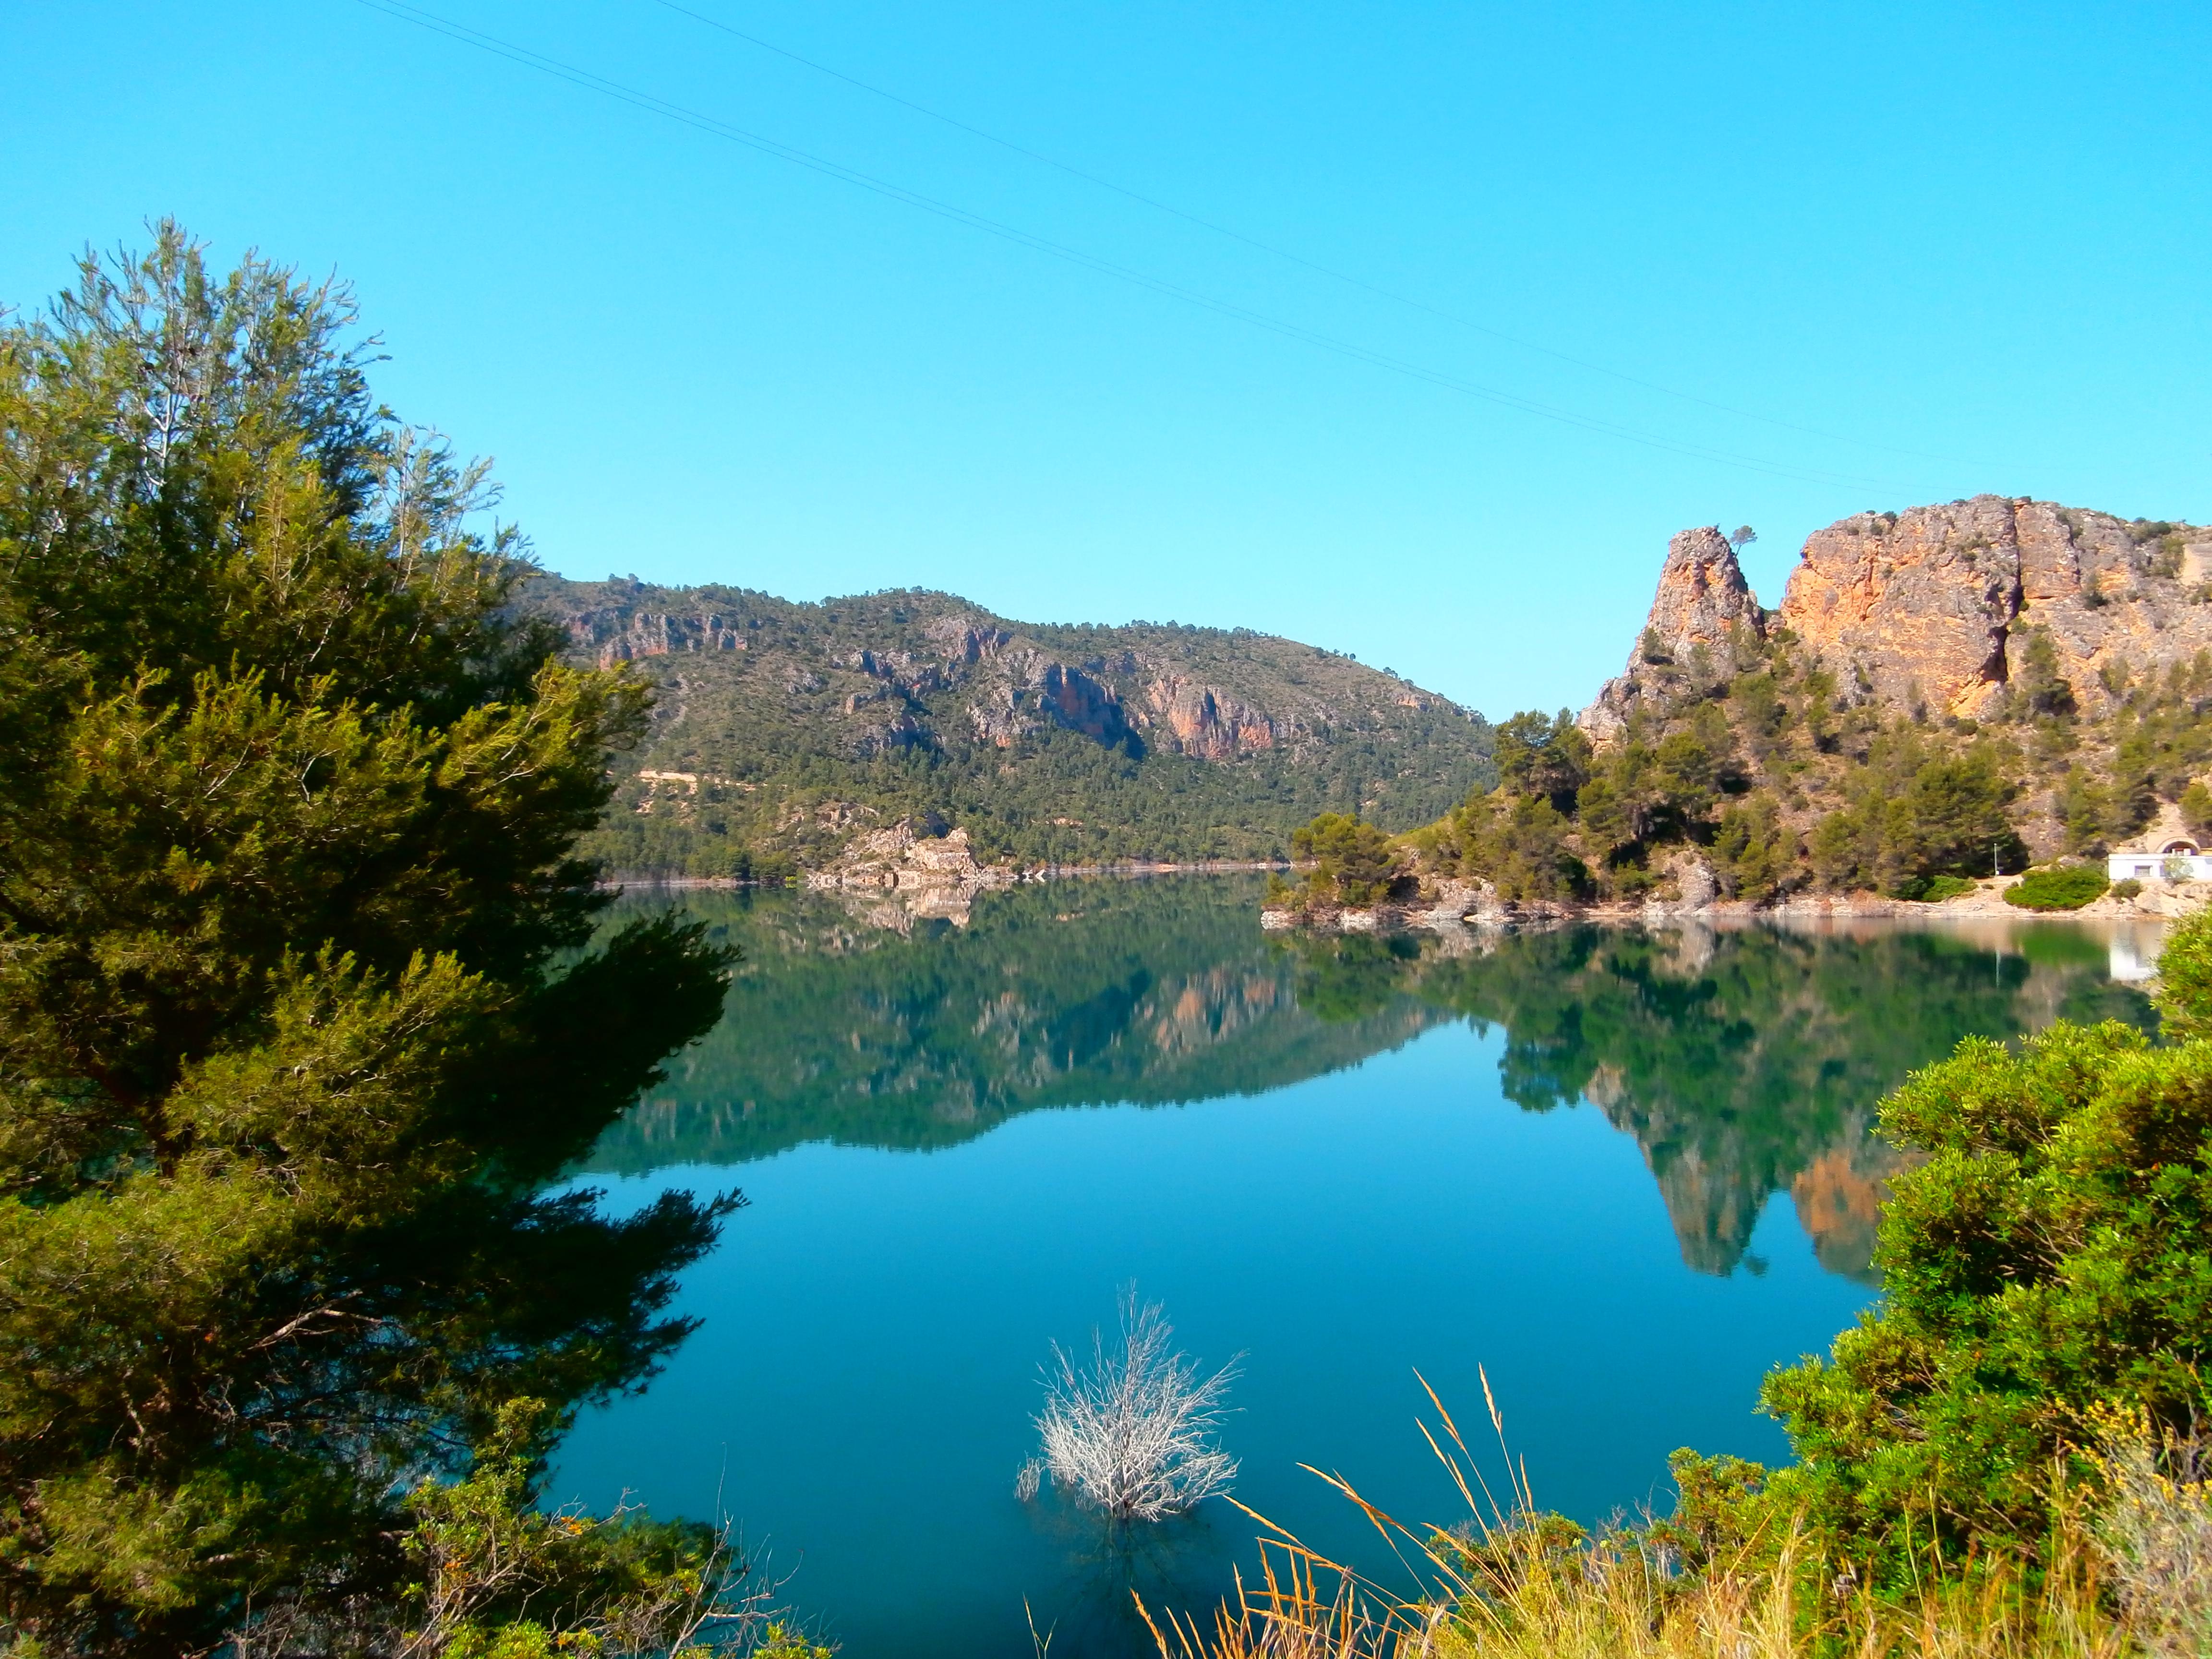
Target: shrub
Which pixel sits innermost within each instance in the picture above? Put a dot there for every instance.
(1934, 890)
(2068, 887)
(1353, 862)
(2051, 1259)
(2156, 1533)
(1132, 1435)
(2196, 807)
(2125, 889)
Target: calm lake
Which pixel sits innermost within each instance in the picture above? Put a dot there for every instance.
(1627, 1172)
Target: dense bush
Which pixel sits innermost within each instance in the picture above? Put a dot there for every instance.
(2068, 887)
(1934, 890)
(2051, 1258)
(1353, 862)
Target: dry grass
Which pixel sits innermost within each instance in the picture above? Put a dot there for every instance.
(2156, 1534)
(1512, 1583)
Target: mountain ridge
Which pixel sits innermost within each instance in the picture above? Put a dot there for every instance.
(784, 730)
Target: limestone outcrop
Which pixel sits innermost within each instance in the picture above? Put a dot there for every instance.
(1939, 607)
(1704, 611)
(1936, 606)
(908, 855)
(1192, 719)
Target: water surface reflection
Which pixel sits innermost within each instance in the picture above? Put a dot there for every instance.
(1744, 1061)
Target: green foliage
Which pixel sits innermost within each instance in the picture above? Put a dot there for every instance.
(2196, 807)
(784, 728)
(1916, 817)
(2127, 889)
(1539, 756)
(1518, 843)
(1941, 888)
(500, 1576)
(2068, 887)
(1753, 848)
(2184, 981)
(293, 1020)
(2051, 1257)
(2040, 691)
(1354, 863)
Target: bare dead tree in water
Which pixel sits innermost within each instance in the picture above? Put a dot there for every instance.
(1132, 1434)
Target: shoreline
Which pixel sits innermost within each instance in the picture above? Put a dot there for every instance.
(1455, 909)
(984, 875)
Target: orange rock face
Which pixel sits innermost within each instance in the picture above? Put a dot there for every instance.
(1202, 721)
(1838, 1198)
(1932, 607)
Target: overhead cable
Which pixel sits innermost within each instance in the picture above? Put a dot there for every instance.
(1267, 247)
(405, 12)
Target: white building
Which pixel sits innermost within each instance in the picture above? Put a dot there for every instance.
(2160, 858)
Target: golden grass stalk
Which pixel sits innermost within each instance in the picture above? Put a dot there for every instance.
(1510, 1582)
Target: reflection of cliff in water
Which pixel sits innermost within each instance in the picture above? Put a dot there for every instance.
(850, 1023)
(1745, 1063)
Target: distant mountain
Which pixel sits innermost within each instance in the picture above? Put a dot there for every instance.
(783, 730)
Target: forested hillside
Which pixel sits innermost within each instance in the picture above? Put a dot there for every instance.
(1986, 685)
(783, 729)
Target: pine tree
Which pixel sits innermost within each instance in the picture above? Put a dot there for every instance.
(295, 1018)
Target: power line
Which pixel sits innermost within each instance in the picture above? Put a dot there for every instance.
(1270, 248)
(652, 104)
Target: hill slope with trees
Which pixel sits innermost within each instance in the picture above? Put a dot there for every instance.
(781, 730)
(1958, 691)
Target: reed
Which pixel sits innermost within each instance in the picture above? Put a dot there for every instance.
(1511, 1581)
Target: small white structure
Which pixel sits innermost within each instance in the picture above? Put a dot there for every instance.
(2164, 859)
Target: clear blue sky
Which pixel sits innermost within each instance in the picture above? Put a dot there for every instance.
(1967, 245)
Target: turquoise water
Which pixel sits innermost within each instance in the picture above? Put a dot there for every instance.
(1625, 1173)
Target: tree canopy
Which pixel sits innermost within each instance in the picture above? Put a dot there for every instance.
(296, 1016)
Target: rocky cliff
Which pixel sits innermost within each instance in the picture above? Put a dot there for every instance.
(1942, 609)
(1701, 618)
(1937, 606)
(802, 727)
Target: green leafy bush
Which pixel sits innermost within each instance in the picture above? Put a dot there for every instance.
(2068, 887)
(1353, 862)
(1933, 890)
(2051, 1260)
(2125, 889)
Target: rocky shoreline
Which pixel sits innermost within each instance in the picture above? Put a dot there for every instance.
(1455, 904)
(907, 860)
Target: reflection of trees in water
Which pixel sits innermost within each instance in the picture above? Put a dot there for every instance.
(1058, 994)
(1745, 1063)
